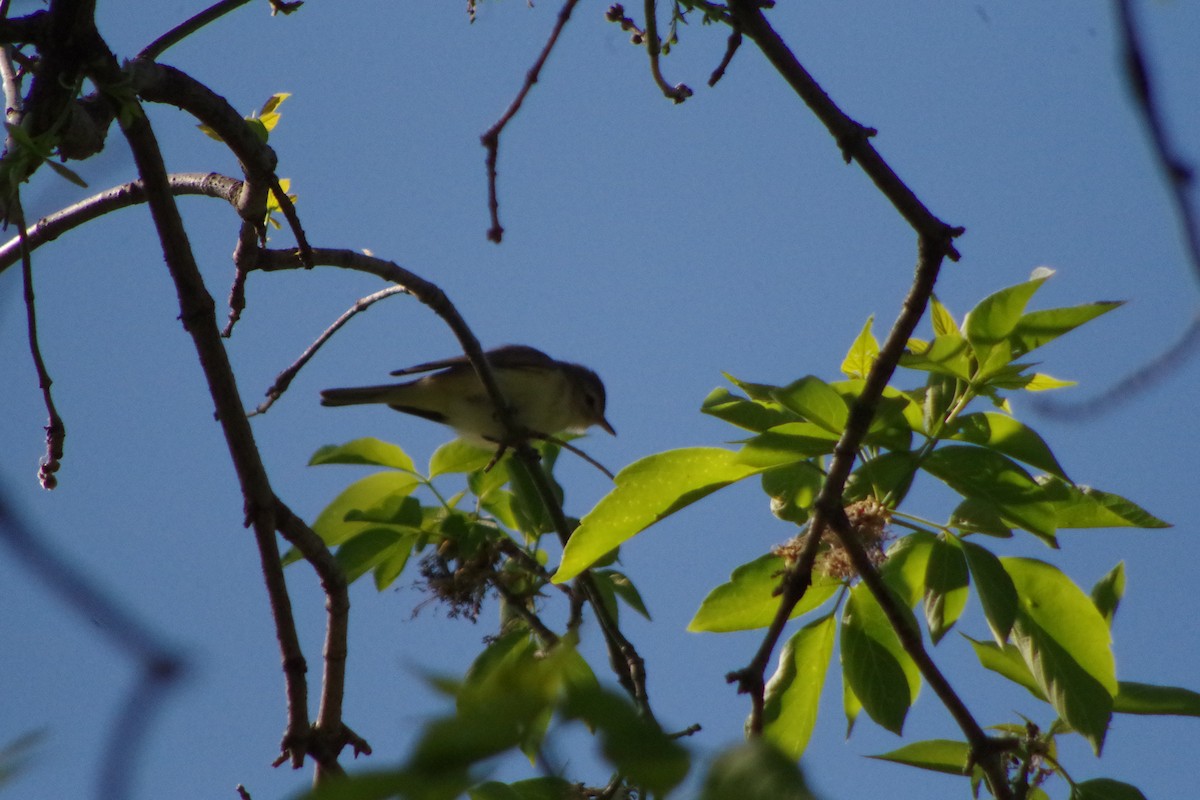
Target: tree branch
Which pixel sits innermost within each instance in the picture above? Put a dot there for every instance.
(852, 138)
(197, 312)
(50, 227)
(284, 379)
(491, 138)
(677, 93)
(152, 51)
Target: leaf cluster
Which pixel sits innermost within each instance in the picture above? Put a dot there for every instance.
(1046, 634)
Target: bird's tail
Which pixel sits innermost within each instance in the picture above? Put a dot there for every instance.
(359, 395)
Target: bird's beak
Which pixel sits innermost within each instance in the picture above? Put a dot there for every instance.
(603, 423)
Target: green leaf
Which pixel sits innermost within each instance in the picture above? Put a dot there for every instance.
(748, 600)
(997, 315)
(906, 565)
(1084, 507)
(1145, 698)
(546, 788)
(1105, 789)
(393, 509)
(794, 691)
(896, 415)
(862, 354)
(974, 515)
(752, 415)
(948, 354)
(368, 450)
(1108, 591)
(364, 550)
(1041, 382)
(816, 401)
(874, 663)
(615, 584)
(887, 477)
(1066, 644)
(1040, 327)
(533, 519)
(754, 770)
(941, 318)
(268, 115)
(1004, 434)
(66, 172)
(458, 456)
(995, 588)
(787, 444)
(645, 492)
(633, 744)
(372, 491)
(945, 588)
(792, 489)
(850, 704)
(982, 474)
(1006, 660)
(935, 755)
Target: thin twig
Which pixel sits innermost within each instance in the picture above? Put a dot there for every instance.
(56, 431)
(284, 379)
(677, 93)
(731, 47)
(491, 138)
(185, 29)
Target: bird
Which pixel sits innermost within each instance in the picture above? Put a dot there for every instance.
(547, 396)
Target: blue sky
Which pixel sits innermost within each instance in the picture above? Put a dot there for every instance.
(658, 244)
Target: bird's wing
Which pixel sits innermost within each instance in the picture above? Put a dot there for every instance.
(512, 356)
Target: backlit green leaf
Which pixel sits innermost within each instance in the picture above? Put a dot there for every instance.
(794, 691)
(1084, 507)
(1108, 591)
(754, 770)
(745, 413)
(941, 318)
(995, 588)
(862, 354)
(368, 450)
(1006, 660)
(1006, 435)
(816, 401)
(1105, 789)
(787, 444)
(945, 588)
(976, 472)
(748, 600)
(645, 492)
(370, 492)
(881, 674)
(1039, 327)
(998, 314)
(457, 456)
(1066, 644)
(1145, 698)
(948, 354)
(936, 755)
